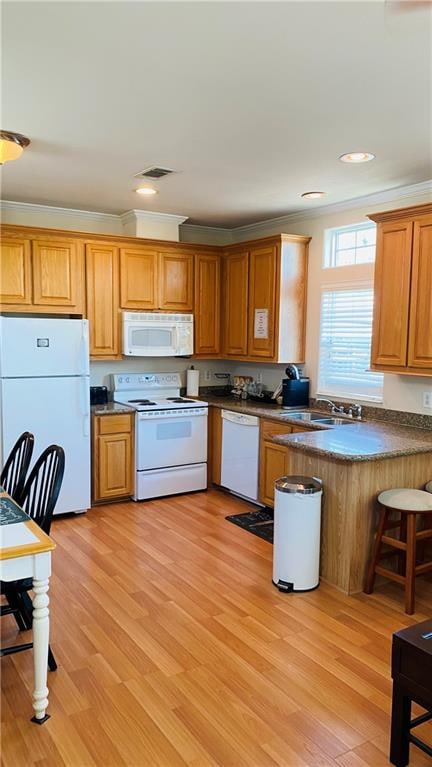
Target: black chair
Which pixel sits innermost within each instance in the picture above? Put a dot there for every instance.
(38, 499)
(15, 470)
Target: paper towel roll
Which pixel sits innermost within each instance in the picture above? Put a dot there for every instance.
(192, 383)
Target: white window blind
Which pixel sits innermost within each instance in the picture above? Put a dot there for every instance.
(345, 345)
(350, 245)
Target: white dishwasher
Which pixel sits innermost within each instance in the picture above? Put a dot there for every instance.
(240, 447)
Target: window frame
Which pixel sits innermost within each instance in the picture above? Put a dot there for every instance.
(330, 251)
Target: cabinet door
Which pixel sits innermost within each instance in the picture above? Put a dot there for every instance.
(176, 282)
(102, 262)
(262, 301)
(15, 272)
(392, 294)
(58, 267)
(273, 465)
(235, 281)
(420, 327)
(207, 304)
(138, 278)
(114, 465)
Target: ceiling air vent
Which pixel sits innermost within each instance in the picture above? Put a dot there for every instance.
(155, 171)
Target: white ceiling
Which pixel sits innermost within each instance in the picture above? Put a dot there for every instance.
(251, 102)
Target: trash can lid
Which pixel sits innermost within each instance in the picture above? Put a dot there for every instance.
(298, 484)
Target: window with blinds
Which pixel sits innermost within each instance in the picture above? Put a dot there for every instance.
(345, 344)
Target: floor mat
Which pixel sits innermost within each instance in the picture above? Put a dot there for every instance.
(259, 523)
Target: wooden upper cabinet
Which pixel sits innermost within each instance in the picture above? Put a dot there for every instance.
(176, 281)
(15, 272)
(235, 304)
(207, 304)
(420, 325)
(138, 278)
(402, 324)
(58, 274)
(392, 294)
(262, 301)
(102, 268)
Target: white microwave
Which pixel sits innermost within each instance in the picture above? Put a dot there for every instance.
(157, 335)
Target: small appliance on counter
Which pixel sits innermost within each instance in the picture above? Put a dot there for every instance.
(98, 395)
(295, 390)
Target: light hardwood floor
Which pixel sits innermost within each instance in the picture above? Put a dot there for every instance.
(174, 648)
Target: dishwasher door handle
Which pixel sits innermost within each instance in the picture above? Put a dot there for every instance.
(241, 418)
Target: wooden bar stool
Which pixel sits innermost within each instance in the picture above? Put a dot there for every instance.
(410, 504)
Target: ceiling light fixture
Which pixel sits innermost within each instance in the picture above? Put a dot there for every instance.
(357, 157)
(146, 190)
(313, 195)
(11, 145)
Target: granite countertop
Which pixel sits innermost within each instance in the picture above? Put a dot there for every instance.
(111, 408)
(358, 441)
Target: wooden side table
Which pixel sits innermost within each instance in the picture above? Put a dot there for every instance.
(412, 681)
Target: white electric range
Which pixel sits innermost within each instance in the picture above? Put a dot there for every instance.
(170, 434)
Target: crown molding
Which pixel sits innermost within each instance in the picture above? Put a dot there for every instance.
(30, 207)
(150, 215)
(207, 235)
(221, 235)
(279, 224)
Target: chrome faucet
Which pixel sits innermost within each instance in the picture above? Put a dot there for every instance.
(355, 411)
(334, 408)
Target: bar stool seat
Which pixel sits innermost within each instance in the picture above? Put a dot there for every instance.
(411, 504)
(406, 499)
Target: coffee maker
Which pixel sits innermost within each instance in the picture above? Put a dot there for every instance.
(295, 390)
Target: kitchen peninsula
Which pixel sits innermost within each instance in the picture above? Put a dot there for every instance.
(356, 462)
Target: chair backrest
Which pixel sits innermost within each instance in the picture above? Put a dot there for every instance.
(43, 485)
(15, 470)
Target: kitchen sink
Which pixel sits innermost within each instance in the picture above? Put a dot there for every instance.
(306, 416)
(312, 416)
(334, 421)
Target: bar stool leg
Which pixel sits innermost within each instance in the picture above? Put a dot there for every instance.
(410, 574)
(376, 551)
(402, 537)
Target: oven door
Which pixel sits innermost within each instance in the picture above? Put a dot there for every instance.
(171, 440)
(152, 340)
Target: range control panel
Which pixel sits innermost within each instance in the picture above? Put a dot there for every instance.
(134, 381)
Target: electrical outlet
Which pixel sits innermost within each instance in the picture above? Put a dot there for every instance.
(427, 398)
(207, 375)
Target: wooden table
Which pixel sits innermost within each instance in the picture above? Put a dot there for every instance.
(412, 681)
(25, 552)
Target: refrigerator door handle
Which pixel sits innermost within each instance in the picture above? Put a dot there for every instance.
(85, 395)
(84, 349)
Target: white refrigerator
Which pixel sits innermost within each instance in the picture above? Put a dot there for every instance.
(44, 389)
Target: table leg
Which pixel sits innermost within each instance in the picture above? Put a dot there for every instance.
(40, 649)
(400, 727)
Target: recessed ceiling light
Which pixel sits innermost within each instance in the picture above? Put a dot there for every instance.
(357, 157)
(147, 190)
(313, 195)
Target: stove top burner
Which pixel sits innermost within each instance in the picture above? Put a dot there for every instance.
(179, 399)
(142, 402)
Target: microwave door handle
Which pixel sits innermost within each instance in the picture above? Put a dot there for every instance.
(175, 340)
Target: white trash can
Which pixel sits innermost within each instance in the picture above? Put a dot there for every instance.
(297, 527)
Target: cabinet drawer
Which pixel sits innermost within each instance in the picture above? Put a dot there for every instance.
(114, 424)
(270, 428)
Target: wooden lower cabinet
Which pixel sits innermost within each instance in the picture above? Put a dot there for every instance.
(113, 457)
(273, 465)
